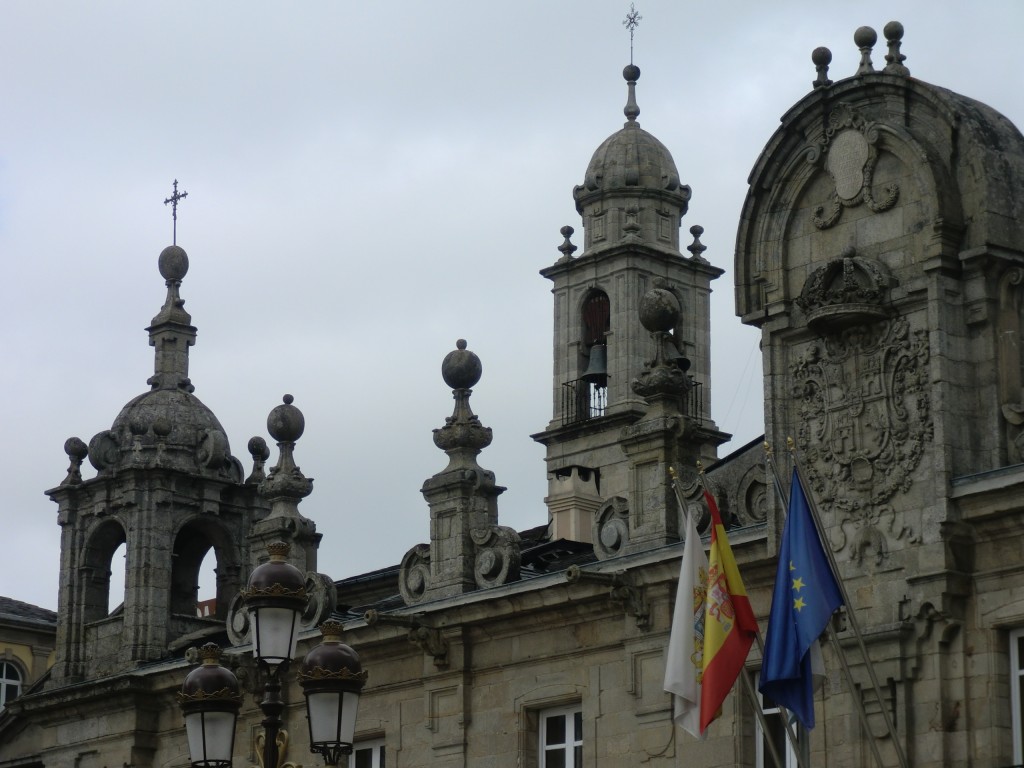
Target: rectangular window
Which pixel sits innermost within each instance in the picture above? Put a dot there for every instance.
(1017, 693)
(561, 738)
(367, 754)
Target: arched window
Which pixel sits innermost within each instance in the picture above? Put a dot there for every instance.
(10, 683)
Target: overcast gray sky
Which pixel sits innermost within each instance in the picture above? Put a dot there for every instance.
(366, 184)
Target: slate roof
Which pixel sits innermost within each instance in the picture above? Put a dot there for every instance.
(16, 612)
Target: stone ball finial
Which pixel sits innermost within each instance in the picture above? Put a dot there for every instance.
(173, 262)
(822, 57)
(893, 31)
(76, 448)
(631, 73)
(659, 309)
(258, 449)
(461, 369)
(865, 37)
(286, 422)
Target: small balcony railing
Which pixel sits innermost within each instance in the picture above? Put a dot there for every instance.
(583, 400)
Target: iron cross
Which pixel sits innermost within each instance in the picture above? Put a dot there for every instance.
(632, 21)
(174, 200)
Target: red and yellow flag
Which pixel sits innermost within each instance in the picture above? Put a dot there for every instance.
(729, 623)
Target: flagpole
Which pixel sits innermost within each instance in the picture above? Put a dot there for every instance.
(851, 614)
(862, 714)
(747, 686)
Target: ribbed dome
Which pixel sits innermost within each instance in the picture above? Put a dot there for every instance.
(631, 163)
(167, 428)
(630, 159)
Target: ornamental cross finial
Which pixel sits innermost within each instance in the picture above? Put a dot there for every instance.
(174, 199)
(632, 21)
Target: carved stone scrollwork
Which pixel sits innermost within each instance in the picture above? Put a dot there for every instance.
(237, 621)
(611, 527)
(496, 560)
(849, 149)
(414, 574)
(864, 410)
(323, 599)
(103, 450)
(212, 449)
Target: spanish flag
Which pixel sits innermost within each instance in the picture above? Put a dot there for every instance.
(729, 623)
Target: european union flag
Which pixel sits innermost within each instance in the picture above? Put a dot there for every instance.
(806, 595)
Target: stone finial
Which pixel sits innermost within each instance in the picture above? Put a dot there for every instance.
(893, 32)
(468, 549)
(567, 248)
(821, 57)
(663, 374)
(462, 437)
(260, 453)
(286, 486)
(77, 450)
(631, 73)
(865, 39)
(697, 248)
(171, 331)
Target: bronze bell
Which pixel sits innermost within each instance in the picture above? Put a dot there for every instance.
(597, 368)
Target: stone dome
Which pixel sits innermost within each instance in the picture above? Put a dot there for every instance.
(631, 163)
(167, 428)
(631, 158)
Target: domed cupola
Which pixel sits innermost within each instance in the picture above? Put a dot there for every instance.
(168, 427)
(631, 192)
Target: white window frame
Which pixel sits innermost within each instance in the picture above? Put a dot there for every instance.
(1016, 705)
(568, 747)
(762, 758)
(377, 756)
(10, 674)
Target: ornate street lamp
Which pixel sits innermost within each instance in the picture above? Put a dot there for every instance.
(210, 700)
(331, 677)
(275, 598)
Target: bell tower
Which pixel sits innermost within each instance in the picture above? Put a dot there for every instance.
(168, 488)
(632, 203)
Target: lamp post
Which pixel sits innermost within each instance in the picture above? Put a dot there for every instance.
(331, 675)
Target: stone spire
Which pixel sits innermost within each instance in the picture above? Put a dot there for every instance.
(468, 549)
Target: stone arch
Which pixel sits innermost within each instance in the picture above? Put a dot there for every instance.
(101, 542)
(790, 179)
(192, 542)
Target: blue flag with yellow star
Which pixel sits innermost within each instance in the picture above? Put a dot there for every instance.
(806, 594)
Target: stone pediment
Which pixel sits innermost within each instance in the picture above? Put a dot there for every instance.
(846, 292)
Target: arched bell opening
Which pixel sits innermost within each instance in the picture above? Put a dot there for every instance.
(95, 569)
(195, 544)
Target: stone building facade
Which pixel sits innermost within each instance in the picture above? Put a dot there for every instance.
(880, 252)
